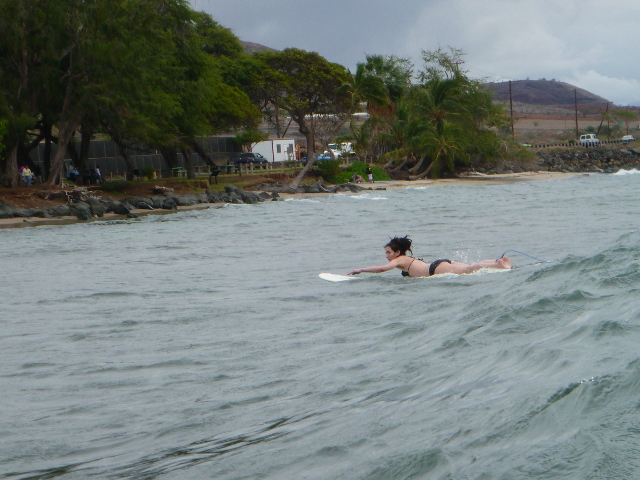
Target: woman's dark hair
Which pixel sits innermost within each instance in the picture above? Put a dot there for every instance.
(401, 244)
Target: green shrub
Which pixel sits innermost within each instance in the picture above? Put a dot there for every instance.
(360, 168)
(147, 171)
(331, 172)
(329, 169)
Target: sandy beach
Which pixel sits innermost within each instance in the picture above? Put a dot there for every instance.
(473, 179)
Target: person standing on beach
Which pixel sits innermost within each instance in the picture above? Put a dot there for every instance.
(369, 173)
(27, 176)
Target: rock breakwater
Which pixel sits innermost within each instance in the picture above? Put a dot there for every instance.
(86, 205)
(595, 159)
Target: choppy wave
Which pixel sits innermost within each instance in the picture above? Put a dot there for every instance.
(228, 358)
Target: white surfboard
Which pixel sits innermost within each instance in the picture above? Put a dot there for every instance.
(334, 277)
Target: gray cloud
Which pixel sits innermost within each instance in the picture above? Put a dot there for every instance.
(589, 43)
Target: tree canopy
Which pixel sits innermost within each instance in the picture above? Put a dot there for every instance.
(143, 70)
(446, 115)
(305, 85)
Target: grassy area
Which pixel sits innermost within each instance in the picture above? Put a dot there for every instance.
(246, 181)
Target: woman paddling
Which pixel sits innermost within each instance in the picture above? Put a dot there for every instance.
(396, 252)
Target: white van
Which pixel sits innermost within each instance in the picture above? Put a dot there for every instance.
(589, 140)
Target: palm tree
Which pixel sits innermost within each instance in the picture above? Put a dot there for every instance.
(438, 100)
(364, 87)
(437, 143)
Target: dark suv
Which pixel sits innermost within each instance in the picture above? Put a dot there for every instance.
(246, 158)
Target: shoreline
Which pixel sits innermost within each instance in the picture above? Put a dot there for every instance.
(477, 179)
(474, 179)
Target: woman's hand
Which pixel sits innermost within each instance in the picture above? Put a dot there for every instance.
(355, 272)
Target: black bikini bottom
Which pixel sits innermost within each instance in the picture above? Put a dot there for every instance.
(434, 265)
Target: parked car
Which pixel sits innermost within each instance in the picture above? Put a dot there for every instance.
(589, 140)
(627, 139)
(247, 158)
(342, 150)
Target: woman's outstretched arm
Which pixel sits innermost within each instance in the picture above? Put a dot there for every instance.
(375, 269)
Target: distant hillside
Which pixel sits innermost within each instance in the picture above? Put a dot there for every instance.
(251, 47)
(543, 92)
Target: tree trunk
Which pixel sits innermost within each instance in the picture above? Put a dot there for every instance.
(389, 164)
(11, 167)
(85, 143)
(73, 153)
(426, 172)
(124, 153)
(418, 165)
(307, 167)
(401, 166)
(46, 156)
(170, 157)
(65, 135)
(202, 154)
(188, 164)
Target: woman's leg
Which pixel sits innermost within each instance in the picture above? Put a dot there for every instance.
(461, 268)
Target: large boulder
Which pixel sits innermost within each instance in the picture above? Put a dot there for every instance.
(233, 189)
(32, 212)
(157, 201)
(61, 211)
(7, 210)
(94, 201)
(119, 208)
(169, 204)
(136, 201)
(81, 210)
(188, 199)
(98, 209)
(214, 197)
(234, 198)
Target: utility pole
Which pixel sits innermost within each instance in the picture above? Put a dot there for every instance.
(513, 135)
(604, 114)
(575, 97)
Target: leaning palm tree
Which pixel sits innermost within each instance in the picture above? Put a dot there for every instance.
(437, 144)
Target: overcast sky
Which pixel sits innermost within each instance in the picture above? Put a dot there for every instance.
(592, 44)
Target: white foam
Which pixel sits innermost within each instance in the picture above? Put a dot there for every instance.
(622, 171)
(368, 196)
(306, 200)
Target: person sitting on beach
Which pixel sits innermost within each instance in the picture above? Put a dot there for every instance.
(357, 178)
(72, 173)
(396, 253)
(98, 175)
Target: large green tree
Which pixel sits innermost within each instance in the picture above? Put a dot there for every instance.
(140, 70)
(208, 104)
(72, 59)
(304, 84)
(446, 116)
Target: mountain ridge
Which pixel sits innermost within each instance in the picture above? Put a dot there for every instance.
(544, 92)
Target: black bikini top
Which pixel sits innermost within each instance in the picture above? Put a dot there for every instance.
(406, 274)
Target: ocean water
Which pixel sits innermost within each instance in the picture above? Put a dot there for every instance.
(203, 344)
